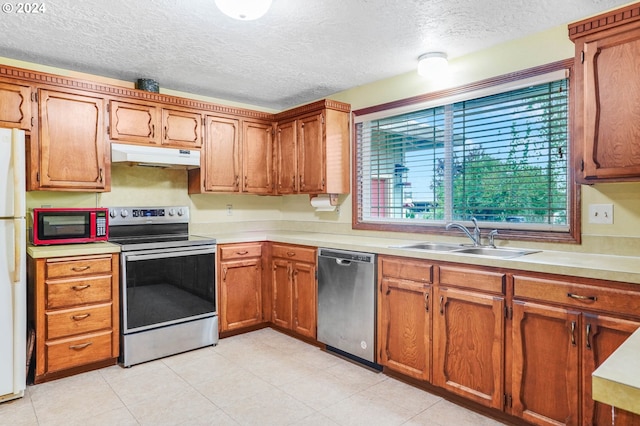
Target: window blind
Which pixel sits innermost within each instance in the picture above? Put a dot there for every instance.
(501, 158)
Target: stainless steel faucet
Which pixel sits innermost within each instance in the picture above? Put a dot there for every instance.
(475, 237)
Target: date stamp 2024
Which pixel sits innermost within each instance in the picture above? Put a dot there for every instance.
(33, 8)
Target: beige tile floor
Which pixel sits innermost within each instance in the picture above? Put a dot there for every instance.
(259, 378)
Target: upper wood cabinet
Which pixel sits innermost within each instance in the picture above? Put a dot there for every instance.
(73, 154)
(237, 157)
(15, 106)
(150, 124)
(133, 122)
(257, 154)
(181, 129)
(607, 89)
(312, 149)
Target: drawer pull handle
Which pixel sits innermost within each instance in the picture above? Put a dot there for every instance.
(80, 317)
(80, 268)
(290, 254)
(81, 287)
(81, 346)
(580, 297)
(242, 253)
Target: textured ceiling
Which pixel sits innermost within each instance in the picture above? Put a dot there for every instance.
(300, 51)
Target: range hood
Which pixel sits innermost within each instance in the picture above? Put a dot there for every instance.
(153, 156)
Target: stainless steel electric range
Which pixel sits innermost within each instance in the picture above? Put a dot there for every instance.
(167, 283)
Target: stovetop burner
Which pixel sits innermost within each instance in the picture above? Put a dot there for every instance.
(147, 228)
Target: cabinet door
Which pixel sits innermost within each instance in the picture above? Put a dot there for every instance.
(608, 105)
(15, 106)
(133, 122)
(240, 294)
(305, 299)
(602, 336)
(286, 159)
(222, 155)
(181, 128)
(257, 151)
(469, 345)
(545, 364)
(404, 330)
(282, 303)
(73, 152)
(311, 154)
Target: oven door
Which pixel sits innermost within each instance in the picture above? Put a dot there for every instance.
(167, 286)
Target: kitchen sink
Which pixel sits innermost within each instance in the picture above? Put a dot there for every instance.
(431, 246)
(502, 253)
(484, 251)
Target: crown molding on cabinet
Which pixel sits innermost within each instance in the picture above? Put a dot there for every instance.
(604, 21)
(35, 77)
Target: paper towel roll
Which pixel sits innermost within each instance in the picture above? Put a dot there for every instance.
(322, 204)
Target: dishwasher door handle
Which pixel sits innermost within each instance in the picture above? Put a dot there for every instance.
(343, 262)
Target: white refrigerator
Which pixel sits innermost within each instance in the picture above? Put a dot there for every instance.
(13, 280)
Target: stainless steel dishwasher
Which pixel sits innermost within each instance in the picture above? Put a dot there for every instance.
(347, 302)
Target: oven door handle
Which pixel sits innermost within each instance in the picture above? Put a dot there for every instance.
(168, 254)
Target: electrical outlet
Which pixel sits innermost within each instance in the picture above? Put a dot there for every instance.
(601, 214)
(229, 209)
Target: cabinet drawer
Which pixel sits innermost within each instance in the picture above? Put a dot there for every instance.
(80, 350)
(70, 322)
(577, 295)
(240, 251)
(302, 254)
(64, 267)
(473, 279)
(81, 291)
(406, 269)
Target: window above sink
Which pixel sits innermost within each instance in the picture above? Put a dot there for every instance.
(497, 150)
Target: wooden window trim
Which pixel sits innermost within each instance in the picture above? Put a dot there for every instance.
(572, 236)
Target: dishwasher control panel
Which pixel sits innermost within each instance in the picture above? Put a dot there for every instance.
(347, 255)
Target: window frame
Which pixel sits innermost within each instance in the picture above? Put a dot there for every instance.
(571, 236)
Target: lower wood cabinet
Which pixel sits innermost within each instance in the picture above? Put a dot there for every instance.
(469, 330)
(546, 360)
(404, 316)
(240, 284)
(74, 305)
(521, 343)
(294, 288)
(562, 331)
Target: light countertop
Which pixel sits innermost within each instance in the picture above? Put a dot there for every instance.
(617, 381)
(598, 266)
(587, 265)
(65, 250)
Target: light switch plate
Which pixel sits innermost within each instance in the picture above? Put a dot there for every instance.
(601, 214)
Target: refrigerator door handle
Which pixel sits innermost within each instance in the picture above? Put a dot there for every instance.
(19, 185)
(19, 247)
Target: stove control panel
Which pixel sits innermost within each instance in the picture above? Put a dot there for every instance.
(141, 215)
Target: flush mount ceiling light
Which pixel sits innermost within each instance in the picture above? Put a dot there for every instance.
(433, 64)
(244, 10)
